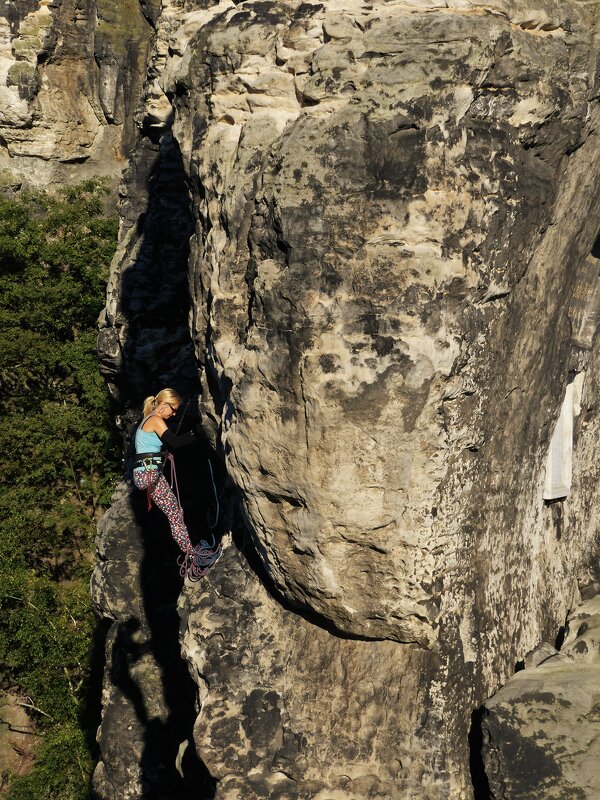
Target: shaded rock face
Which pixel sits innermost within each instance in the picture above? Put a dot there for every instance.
(71, 74)
(148, 697)
(541, 729)
(392, 279)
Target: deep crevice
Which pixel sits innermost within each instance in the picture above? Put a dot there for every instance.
(155, 301)
(479, 779)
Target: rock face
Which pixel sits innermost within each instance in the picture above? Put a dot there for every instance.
(290, 711)
(148, 697)
(17, 737)
(70, 80)
(392, 281)
(541, 729)
(377, 193)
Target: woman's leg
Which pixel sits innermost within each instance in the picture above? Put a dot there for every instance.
(164, 498)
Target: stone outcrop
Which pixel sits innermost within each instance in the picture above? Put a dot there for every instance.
(71, 75)
(18, 736)
(377, 192)
(392, 280)
(148, 697)
(541, 730)
(291, 711)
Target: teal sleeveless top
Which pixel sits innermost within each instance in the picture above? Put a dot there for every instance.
(147, 442)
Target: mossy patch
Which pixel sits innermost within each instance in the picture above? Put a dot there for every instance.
(8, 180)
(24, 75)
(119, 23)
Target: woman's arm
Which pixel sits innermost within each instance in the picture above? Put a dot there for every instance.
(174, 442)
(166, 435)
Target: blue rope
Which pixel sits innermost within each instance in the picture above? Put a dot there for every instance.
(204, 556)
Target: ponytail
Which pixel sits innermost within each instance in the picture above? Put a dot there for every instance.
(164, 396)
(149, 405)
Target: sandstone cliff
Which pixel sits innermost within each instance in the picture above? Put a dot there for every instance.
(392, 281)
(71, 74)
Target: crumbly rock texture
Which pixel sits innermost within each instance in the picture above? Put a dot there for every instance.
(391, 280)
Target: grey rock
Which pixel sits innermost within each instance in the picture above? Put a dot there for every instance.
(541, 730)
(390, 281)
(71, 78)
(290, 710)
(372, 186)
(147, 697)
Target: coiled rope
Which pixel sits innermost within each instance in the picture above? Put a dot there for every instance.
(202, 558)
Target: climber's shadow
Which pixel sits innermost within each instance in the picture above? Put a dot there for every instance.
(149, 347)
(161, 585)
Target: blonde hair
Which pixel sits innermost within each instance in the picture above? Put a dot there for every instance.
(164, 396)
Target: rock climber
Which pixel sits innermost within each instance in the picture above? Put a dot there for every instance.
(151, 437)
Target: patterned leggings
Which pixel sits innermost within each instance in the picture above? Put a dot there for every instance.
(164, 498)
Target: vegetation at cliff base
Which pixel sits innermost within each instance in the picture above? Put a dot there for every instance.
(58, 463)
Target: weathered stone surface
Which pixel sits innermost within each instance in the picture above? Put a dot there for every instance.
(147, 697)
(371, 184)
(542, 729)
(71, 77)
(393, 276)
(18, 738)
(290, 711)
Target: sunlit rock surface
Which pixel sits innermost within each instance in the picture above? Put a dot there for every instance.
(375, 189)
(70, 80)
(291, 711)
(393, 278)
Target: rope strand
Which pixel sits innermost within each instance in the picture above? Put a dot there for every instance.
(200, 559)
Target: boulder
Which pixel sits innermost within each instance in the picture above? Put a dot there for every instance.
(542, 729)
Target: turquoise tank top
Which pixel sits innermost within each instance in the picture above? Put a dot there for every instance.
(147, 442)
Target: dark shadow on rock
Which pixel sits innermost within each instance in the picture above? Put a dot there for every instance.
(91, 712)
(158, 352)
(560, 637)
(161, 585)
(479, 779)
(154, 299)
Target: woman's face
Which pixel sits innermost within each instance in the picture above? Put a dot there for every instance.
(168, 409)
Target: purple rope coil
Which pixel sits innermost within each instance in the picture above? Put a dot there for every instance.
(198, 561)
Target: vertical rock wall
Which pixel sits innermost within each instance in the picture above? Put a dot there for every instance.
(71, 75)
(393, 277)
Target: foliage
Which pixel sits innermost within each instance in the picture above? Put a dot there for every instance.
(62, 769)
(58, 461)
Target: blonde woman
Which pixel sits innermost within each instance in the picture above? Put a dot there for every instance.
(150, 438)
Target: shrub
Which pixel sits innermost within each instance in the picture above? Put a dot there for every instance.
(58, 461)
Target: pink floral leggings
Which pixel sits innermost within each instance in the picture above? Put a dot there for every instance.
(164, 498)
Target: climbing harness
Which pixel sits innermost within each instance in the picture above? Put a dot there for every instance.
(147, 461)
(194, 563)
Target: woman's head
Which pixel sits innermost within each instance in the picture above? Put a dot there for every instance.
(166, 397)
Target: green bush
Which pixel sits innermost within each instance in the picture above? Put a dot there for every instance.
(58, 463)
